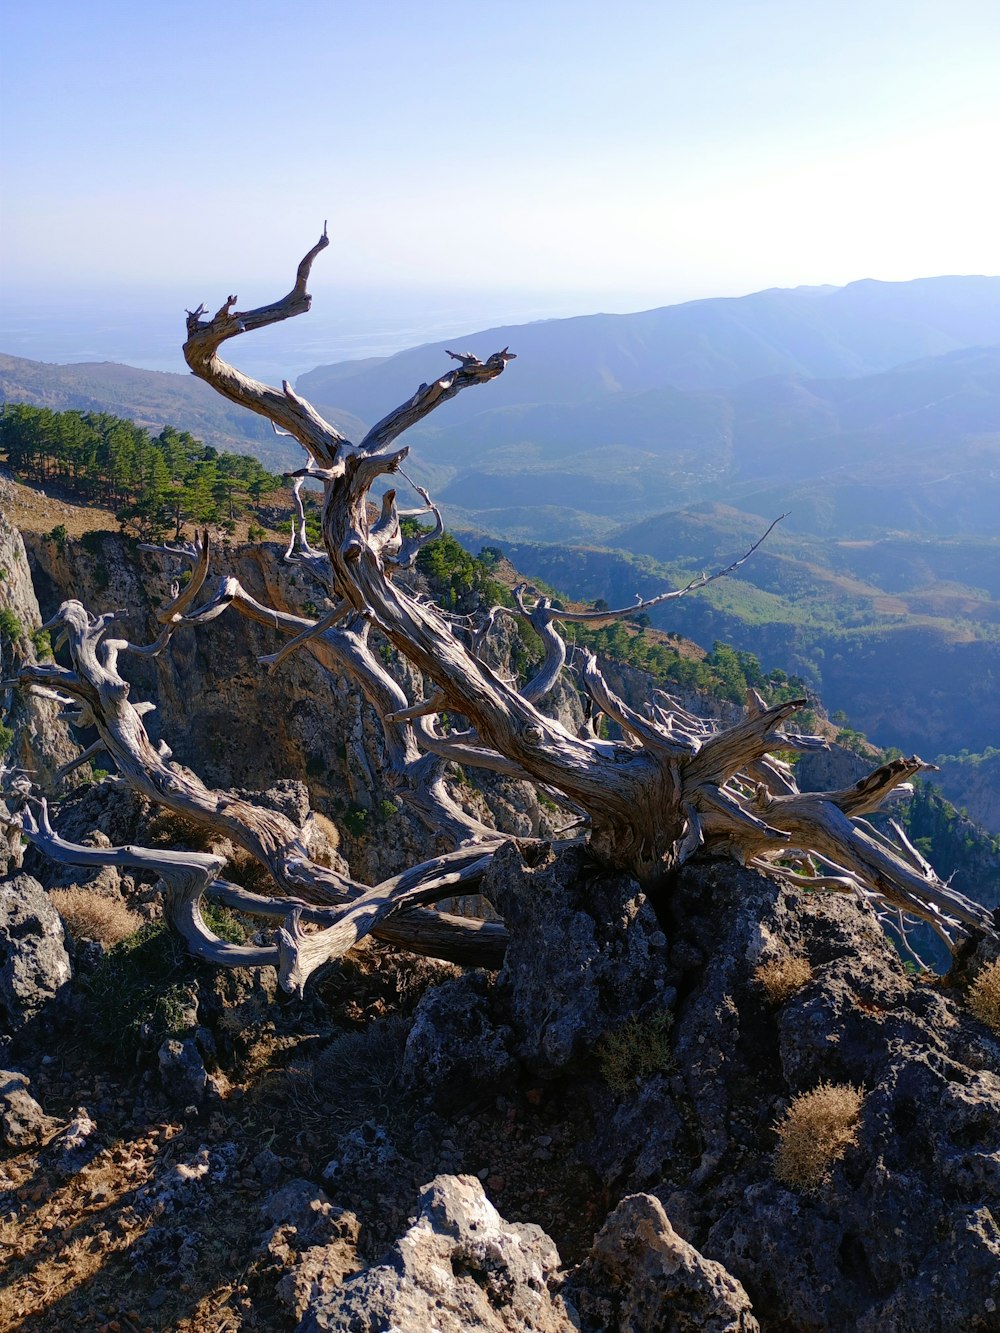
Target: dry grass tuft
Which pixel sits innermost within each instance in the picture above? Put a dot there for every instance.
(88, 916)
(984, 996)
(357, 1077)
(782, 977)
(816, 1131)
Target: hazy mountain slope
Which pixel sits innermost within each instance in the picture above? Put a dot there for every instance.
(860, 329)
(893, 451)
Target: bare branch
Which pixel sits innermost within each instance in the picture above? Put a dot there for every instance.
(282, 407)
(429, 396)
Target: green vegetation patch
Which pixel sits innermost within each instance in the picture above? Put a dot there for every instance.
(636, 1049)
(154, 484)
(140, 993)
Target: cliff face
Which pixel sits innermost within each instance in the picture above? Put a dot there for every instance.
(41, 741)
(974, 787)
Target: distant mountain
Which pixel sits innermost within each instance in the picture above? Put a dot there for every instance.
(818, 332)
(151, 398)
(914, 449)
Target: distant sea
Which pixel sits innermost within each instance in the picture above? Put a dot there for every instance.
(146, 329)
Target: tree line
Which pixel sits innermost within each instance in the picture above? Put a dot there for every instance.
(155, 485)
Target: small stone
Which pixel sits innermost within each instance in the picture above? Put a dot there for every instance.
(23, 1123)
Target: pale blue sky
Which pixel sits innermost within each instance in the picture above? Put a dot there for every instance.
(623, 154)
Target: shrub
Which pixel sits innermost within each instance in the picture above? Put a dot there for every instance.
(59, 535)
(357, 1077)
(782, 977)
(815, 1132)
(984, 996)
(140, 992)
(636, 1049)
(43, 644)
(10, 626)
(355, 820)
(88, 916)
(224, 922)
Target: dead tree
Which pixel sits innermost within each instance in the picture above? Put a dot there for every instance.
(667, 788)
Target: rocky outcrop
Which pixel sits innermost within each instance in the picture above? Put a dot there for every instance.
(34, 964)
(585, 952)
(40, 742)
(461, 1268)
(641, 1275)
(916, 1192)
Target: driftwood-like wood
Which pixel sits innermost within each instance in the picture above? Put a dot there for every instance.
(669, 787)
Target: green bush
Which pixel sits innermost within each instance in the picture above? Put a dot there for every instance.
(11, 628)
(43, 644)
(636, 1049)
(224, 922)
(355, 820)
(139, 993)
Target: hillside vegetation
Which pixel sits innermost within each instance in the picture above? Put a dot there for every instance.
(154, 485)
(913, 666)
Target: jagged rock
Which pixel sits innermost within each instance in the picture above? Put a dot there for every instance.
(584, 953)
(23, 1123)
(900, 1200)
(460, 1268)
(312, 1239)
(34, 964)
(455, 1051)
(182, 1071)
(641, 1275)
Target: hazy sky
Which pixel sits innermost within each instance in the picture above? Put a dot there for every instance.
(632, 153)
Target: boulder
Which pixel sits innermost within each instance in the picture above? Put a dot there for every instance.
(460, 1268)
(585, 952)
(34, 964)
(640, 1274)
(23, 1123)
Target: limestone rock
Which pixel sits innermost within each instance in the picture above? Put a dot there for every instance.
(641, 1275)
(455, 1051)
(584, 953)
(312, 1239)
(34, 964)
(182, 1071)
(461, 1268)
(23, 1123)
(41, 741)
